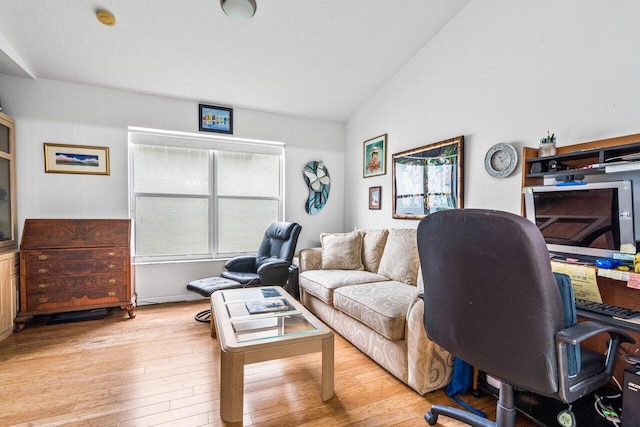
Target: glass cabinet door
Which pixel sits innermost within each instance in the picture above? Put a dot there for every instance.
(8, 229)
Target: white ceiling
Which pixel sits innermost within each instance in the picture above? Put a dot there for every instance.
(319, 59)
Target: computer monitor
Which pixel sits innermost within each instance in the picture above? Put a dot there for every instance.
(590, 219)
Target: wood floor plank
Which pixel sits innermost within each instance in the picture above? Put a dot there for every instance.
(162, 369)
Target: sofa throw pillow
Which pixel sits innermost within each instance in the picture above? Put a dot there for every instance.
(373, 242)
(342, 251)
(400, 257)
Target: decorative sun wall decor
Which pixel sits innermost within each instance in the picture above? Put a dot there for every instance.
(317, 177)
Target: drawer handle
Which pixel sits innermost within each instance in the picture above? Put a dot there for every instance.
(43, 270)
(43, 257)
(112, 266)
(43, 285)
(112, 294)
(44, 299)
(111, 253)
(112, 280)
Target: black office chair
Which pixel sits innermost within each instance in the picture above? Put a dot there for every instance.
(491, 299)
(269, 267)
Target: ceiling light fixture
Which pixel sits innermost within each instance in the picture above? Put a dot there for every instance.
(240, 10)
(106, 17)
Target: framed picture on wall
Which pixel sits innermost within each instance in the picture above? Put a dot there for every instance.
(216, 119)
(375, 197)
(375, 156)
(428, 179)
(83, 159)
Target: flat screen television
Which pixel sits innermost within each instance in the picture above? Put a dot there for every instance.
(590, 219)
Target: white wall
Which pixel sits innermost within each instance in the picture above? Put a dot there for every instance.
(503, 71)
(52, 111)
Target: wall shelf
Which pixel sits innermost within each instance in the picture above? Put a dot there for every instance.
(583, 161)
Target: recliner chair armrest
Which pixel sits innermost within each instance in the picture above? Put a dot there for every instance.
(244, 263)
(274, 273)
(569, 391)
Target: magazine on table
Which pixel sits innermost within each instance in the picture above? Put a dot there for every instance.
(266, 306)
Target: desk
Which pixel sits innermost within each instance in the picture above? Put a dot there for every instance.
(614, 292)
(544, 410)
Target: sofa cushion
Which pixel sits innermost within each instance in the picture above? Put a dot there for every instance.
(373, 242)
(342, 251)
(400, 257)
(382, 306)
(322, 283)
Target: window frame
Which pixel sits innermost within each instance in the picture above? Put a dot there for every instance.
(213, 144)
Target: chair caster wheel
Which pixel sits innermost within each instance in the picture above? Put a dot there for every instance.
(476, 392)
(430, 418)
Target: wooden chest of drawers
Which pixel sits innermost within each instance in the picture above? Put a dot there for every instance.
(75, 264)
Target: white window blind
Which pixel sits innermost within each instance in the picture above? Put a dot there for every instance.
(198, 196)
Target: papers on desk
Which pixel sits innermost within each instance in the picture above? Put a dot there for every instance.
(614, 274)
(583, 280)
(635, 320)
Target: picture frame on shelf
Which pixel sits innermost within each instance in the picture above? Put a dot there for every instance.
(428, 179)
(374, 155)
(76, 159)
(215, 119)
(375, 198)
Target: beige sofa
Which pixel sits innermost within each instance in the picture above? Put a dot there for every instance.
(365, 285)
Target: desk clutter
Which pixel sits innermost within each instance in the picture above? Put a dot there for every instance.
(602, 408)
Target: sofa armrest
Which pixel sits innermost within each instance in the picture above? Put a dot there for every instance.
(430, 366)
(310, 259)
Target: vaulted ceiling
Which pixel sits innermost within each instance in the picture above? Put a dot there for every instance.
(320, 59)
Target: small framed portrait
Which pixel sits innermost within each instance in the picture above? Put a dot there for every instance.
(375, 197)
(216, 119)
(375, 156)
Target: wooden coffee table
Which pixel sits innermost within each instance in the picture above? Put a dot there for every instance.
(249, 337)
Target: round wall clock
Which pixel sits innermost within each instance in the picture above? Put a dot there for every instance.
(501, 160)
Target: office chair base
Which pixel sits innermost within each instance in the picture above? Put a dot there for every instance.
(505, 412)
(468, 418)
(204, 316)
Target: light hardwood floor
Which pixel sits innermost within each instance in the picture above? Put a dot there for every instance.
(162, 368)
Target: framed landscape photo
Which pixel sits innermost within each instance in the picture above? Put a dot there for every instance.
(216, 119)
(428, 179)
(83, 159)
(375, 156)
(375, 197)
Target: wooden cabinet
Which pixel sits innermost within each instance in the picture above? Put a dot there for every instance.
(9, 268)
(73, 265)
(8, 224)
(8, 229)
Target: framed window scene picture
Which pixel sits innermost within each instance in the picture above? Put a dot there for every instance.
(375, 156)
(82, 159)
(428, 179)
(375, 197)
(216, 119)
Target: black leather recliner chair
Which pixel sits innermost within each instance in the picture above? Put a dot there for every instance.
(270, 266)
(491, 299)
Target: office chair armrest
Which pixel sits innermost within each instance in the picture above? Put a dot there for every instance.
(584, 330)
(244, 263)
(274, 273)
(569, 390)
